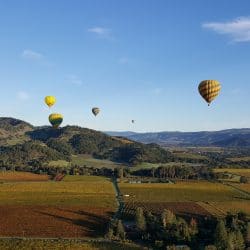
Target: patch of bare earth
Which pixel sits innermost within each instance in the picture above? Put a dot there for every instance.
(52, 221)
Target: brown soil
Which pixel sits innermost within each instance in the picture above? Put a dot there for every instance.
(51, 221)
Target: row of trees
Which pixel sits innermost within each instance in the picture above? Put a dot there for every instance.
(168, 230)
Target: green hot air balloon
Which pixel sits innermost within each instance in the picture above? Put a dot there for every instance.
(95, 111)
(55, 120)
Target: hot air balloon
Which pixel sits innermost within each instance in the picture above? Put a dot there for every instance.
(50, 100)
(209, 89)
(133, 121)
(55, 120)
(95, 111)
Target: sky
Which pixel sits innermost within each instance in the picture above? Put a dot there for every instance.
(134, 59)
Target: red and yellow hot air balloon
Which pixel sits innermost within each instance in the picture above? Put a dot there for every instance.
(209, 90)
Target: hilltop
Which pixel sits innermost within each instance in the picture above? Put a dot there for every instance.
(25, 145)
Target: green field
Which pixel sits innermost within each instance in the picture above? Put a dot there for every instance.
(59, 163)
(28, 244)
(147, 165)
(89, 161)
(74, 190)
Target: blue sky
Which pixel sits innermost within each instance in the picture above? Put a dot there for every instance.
(135, 59)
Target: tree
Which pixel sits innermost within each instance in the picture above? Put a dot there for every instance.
(243, 179)
(109, 235)
(231, 241)
(240, 245)
(140, 219)
(221, 236)
(167, 217)
(120, 232)
(193, 227)
(210, 247)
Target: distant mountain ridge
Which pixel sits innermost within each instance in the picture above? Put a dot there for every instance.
(223, 138)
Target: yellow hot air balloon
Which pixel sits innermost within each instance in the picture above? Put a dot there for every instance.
(50, 100)
(95, 111)
(209, 89)
(55, 120)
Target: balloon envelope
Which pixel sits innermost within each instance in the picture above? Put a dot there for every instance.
(95, 111)
(209, 89)
(55, 120)
(50, 100)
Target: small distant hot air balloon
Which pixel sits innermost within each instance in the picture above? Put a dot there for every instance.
(133, 121)
(95, 111)
(55, 120)
(209, 89)
(50, 100)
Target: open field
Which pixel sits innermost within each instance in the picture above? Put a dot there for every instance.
(145, 165)
(233, 206)
(97, 191)
(78, 206)
(185, 198)
(59, 163)
(21, 176)
(53, 221)
(238, 159)
(180, 192)
(59, 244)
(89, 161)
(242, 186)
(190, 156)
(236, 171)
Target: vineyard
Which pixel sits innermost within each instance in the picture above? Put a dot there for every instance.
(13, 176)
(185, 198)
(184, 209)
(76, 206)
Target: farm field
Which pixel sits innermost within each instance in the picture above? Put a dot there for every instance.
(59, 244)
(243, 186)
(192, 198)
(182, 191)
(21, 176)
(190, 156)
(145, 165)
(78, 206)
(236, 171)
(66, 193)
(186, 209)
(53, 221)
(89, 161)
(233, 206)
(237, 159)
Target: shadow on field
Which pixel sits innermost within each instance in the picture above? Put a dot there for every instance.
(100, 218)
(91, 224)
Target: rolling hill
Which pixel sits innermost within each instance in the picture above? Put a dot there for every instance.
(223, 138)
(25, 145)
